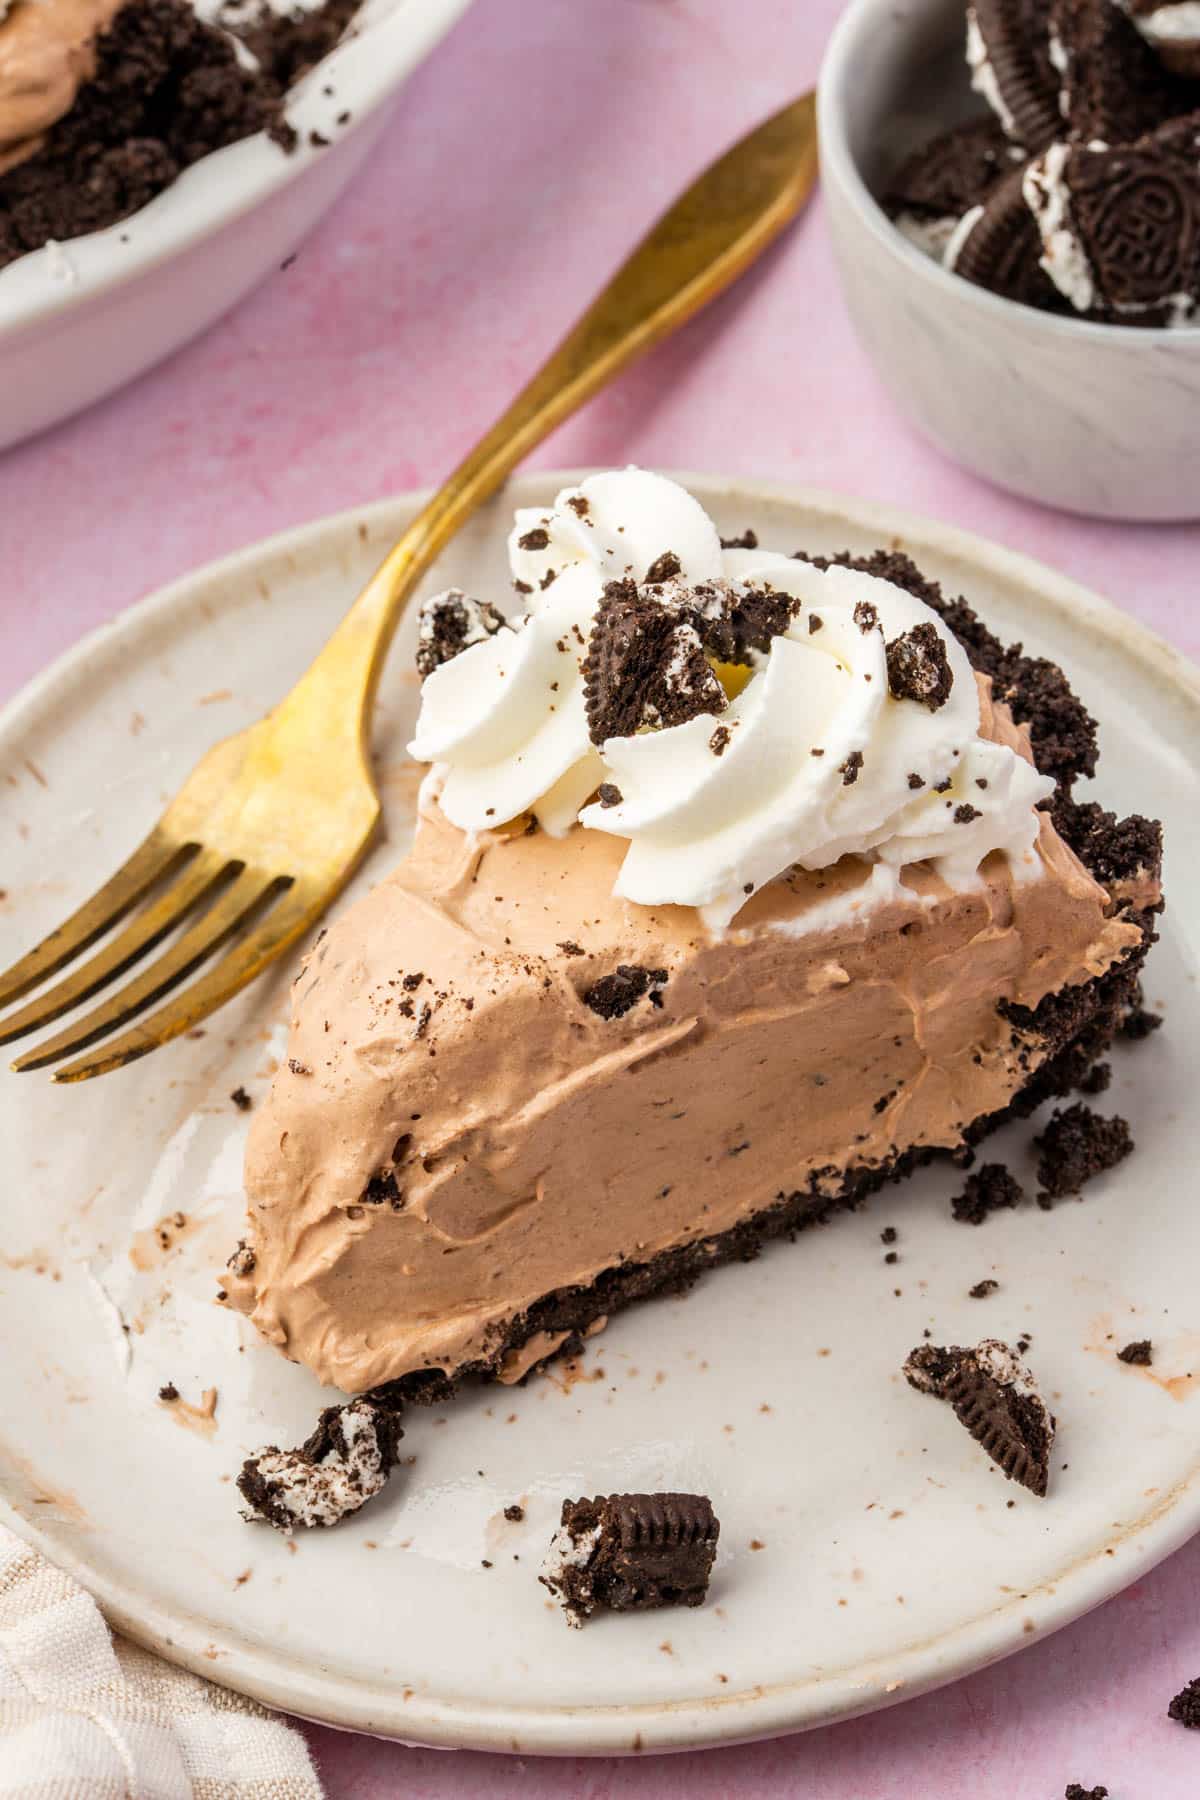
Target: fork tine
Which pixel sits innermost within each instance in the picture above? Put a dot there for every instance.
(234, 908)
(153, 859)
(142, 933)
(284, 924)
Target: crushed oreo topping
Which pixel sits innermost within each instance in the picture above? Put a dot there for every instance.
(982, 1289)
(733, 620)
(1076, 1792)
(918, 667)
(243, 1260)
(916, 781)
(991, 1188)
(718, 743)
(1139, 1354)
(609, 794)
(996, 1398)
(616, 994)
(664, 568)
(451, 622)
(964, 814)
(241, 1099)
(748, 540)
(849, 770)
(866, 616)
(536, 539)
(1076, 1145)
(645, 665)
(345, 1463)
(631, 1553)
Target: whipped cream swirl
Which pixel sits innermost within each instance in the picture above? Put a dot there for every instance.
(814, 758)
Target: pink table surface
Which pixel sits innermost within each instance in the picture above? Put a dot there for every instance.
(522, 160)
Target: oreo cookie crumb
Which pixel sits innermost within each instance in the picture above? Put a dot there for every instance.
(718, 743)
(918, 667)
(996, 1398)
(1076, 1792)
(964, 814)
(747, 541)
(631, 1553)
(342, 1465)
(616, 994)
(1077, 1145)
(569, 947)
(168, 1392)
(866, 617)
(536, 539)
(450, 623)
(982, 1289)
(663, 568)
(645, 665)
(1139, 1354)
(609, 794)
(849, 770)
(1098, 1079)
(514, 1513)
(241, 1099)
(916, 781)
(1185, 1707)
(991, 1188)
(888, 1235)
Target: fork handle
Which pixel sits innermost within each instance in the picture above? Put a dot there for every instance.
(704, 242)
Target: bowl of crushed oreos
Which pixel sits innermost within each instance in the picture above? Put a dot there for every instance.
(159, 157)
(1013, 189)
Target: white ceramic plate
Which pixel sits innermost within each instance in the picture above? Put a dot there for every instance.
(869, 1550)
(78, 320)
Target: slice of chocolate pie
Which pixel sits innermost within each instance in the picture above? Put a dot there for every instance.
(743, 883)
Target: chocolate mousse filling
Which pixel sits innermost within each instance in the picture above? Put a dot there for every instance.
(492, 1199)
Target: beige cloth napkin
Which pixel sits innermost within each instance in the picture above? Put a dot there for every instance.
(86, 1716)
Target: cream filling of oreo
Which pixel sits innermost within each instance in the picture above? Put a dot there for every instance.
(1048, 196)
(930, 236)
(959, 236)
(1179, 24)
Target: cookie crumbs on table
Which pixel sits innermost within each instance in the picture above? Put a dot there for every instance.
(991, 1188)
(1139, 1354)
(1185, 1707)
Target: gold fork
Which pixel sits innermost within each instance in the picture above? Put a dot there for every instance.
(271, 823)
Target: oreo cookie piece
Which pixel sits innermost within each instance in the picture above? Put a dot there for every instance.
(1112, 87)
(733, 619)
(345, 1463)
(451, 622)
(998, 246)
(918, 667)
(645, 665)
(1008, 53)
(616, 994)
(1171, 30)
(930, 192)
(631, 1553)
(996, 1397)
(1120, 228)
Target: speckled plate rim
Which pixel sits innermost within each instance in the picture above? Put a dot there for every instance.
(765, 1710)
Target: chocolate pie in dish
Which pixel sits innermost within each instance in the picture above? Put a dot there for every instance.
(743, 883)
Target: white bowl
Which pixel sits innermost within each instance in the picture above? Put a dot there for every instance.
(1100, 419)
(79, 319)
